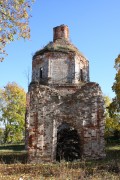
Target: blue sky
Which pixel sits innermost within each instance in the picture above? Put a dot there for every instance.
(94, 28)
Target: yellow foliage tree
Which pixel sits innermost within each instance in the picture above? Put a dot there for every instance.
(112, 123)
(14, 22)
(12, 110)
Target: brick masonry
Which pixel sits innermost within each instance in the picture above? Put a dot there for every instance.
(62, 93)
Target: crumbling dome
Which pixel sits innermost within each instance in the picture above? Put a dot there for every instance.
(60, 62)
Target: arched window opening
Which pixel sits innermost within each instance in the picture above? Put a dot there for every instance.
(41, 73)
(81, 74)
(68, 143)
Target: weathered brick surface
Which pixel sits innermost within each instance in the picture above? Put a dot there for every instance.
(49, 108)
(59, 68)
(63, 95)
(61, 32)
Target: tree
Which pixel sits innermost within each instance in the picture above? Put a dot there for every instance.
(12, 108)
(116, 85)
(108, 120)
(1, 135)
(114, 107)
(112, 124)
(14, 22)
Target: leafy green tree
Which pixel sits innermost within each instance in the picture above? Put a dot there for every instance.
(12, 110)
(108, 120)
(14, 22)
(114, 108)
(112, 124)
(116, 85)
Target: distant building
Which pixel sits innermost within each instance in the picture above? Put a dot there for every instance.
(65, 111)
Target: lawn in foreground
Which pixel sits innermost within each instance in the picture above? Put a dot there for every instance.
(109, 168)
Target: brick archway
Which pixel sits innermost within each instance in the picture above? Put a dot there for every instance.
(68, 143)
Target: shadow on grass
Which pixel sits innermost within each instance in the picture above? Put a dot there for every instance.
(16, 153)
(10, 154)
(11, 158)
(14, 147)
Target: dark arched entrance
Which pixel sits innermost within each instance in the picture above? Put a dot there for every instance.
(68, 143)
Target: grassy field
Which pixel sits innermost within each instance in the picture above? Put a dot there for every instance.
(13, 166)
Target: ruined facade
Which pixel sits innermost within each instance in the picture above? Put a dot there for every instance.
(65, 111)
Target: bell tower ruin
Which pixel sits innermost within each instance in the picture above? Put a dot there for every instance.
(65, 111)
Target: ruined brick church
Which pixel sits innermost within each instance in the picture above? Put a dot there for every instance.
(65, 111)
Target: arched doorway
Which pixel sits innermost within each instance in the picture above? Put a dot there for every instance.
(68, 143)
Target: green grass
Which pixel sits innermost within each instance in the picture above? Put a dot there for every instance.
(13, 153)
(104, 169)
(113, 148)
(14, 147)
